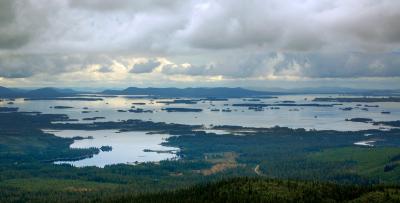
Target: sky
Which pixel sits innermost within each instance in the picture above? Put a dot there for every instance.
(188, 43)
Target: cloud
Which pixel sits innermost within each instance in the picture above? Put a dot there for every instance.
(209, 38)
(295, 25)
(309, 65)
(118, 5)
(146, 67)
(21, 22)
(156, 27)
(24, 66)
(12, 34)
(188, 69)
(105, 69)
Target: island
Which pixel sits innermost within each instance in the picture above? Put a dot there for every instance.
(179, 101)
(93, 118)
(357, 99)
(160, 151)
(139, 110)
(106, 148)
(182, 110)
(282, 104)
(139, 103)
(360, 120)
(62, 107)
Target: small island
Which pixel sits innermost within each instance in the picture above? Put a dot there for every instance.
(283, 104)
(139, 110)
(106, 148)
(179, 101)
(139, 103)
(360, 120)
(182, 110)
(93, 118)
(357, 99)
(160, 151)
(62, 107)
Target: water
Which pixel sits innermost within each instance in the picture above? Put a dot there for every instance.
(320, 118)
(127, 147)
(366, 143)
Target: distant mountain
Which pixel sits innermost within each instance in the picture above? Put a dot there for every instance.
(337, 90)
(8, 92)
(200, 92)
(67, 91)
(46, 92)
(5, 90)
(217, 92)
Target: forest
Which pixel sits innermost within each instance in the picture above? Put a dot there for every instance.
(274, 160)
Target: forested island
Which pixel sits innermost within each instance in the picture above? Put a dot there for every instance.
(369, 120)
(357, 99)
(182, 109)
(283, 104)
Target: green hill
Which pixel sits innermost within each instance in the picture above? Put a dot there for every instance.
(270, 190)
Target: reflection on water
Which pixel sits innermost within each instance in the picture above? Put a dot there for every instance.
(365, 143)
(320, 118)
(127, 147)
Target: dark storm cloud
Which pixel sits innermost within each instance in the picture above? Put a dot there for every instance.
(158, 26)
(22, 21)
(10, 35)
(115, 5)
(147, 67)
(235, 39)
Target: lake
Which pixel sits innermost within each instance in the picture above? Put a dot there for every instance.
(320, 118)
(128, 146)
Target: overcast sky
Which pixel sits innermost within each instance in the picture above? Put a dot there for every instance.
(251, 43)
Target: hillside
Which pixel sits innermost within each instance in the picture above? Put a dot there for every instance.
(218, 92)
(41, 92)
(270, 190)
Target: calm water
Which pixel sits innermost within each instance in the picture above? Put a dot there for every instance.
(319, 118)
(128, 147)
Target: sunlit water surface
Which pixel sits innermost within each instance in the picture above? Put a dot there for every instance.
(128, 147)
(320, 118)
